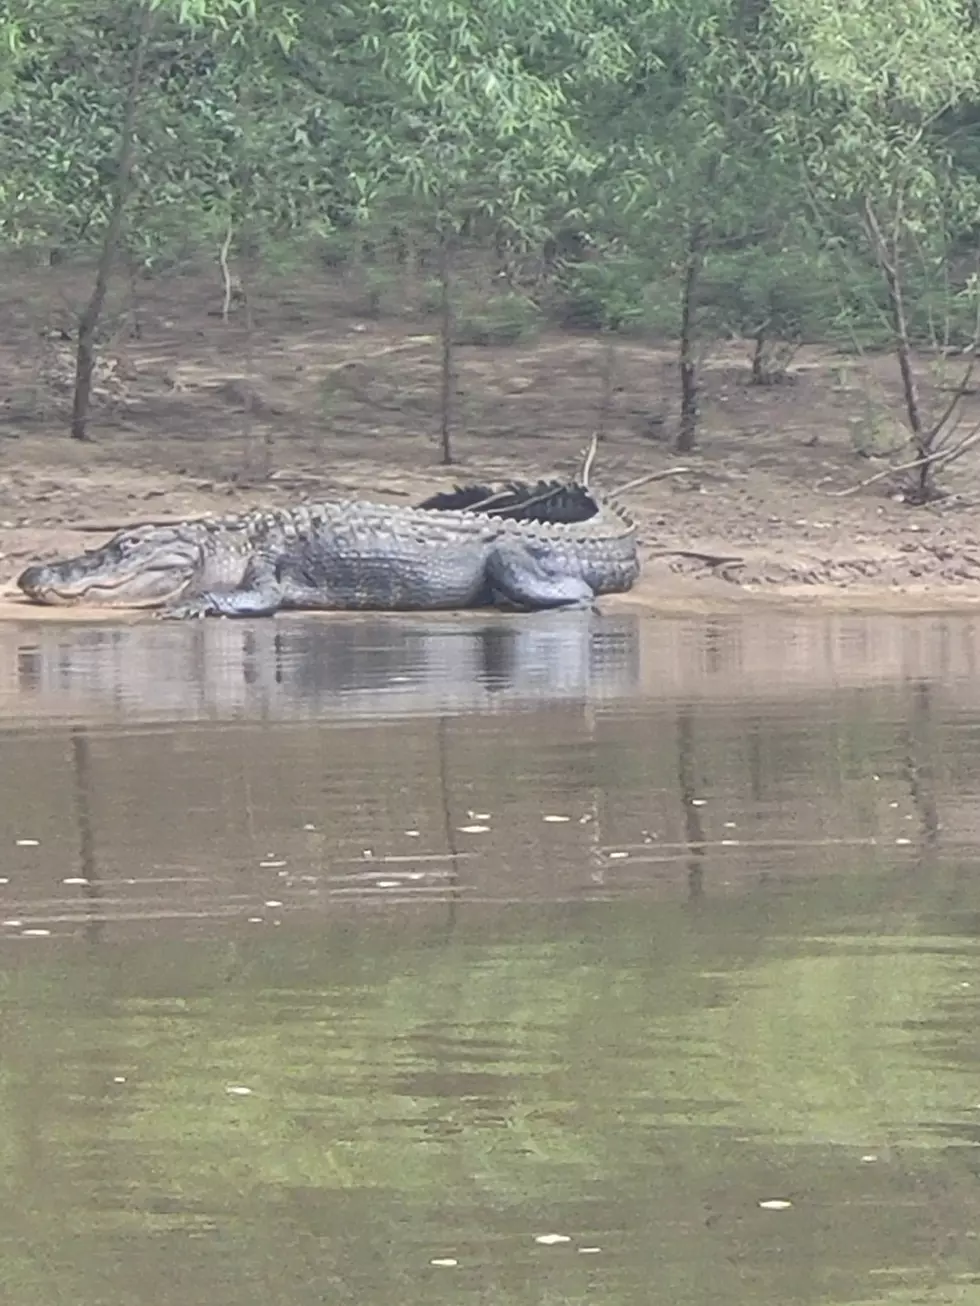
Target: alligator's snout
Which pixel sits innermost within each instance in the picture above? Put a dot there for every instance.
(139, 567)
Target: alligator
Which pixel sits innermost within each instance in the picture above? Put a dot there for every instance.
(527, 546)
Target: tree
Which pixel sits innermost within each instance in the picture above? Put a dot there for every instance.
(472, 128)
(871, 88)
(684, 153)
(95, 101)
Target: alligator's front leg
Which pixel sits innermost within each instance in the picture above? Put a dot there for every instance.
(536, 576)
(259, 594)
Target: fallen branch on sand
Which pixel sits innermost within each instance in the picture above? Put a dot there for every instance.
(648, 477)
(712, 559)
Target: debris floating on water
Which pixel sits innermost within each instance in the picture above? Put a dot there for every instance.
(474, 829)
(28, 843)
(269, 866)
(238, 1090)
(776, 1204)
(589, 1251)
(75, 879)
(447, 1262)
(551, 1239)
(557, 820)
(35, 934)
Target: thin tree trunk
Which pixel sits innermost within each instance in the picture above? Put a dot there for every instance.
(136, 316)
(89, 319)
(888, 262)
(248, 267)
(608, 392)
(448, 371)
(759, 355)
(688, 428)
(226, 281)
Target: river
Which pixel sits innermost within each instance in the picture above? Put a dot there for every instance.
(509, 960)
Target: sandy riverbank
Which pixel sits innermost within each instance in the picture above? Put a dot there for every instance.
(337, 407)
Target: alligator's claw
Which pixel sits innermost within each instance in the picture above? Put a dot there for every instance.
(186, 609)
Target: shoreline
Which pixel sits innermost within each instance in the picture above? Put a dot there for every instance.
(669, 597)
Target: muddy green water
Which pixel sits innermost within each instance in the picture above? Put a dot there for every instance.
(508, 961)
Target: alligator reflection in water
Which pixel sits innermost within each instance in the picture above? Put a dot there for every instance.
(300, 667)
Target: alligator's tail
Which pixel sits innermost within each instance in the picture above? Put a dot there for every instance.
(541, 501)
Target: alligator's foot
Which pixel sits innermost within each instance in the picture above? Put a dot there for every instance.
(201, 605)
(577, 605)
(507, 603)
(264, 602)
(536, 577)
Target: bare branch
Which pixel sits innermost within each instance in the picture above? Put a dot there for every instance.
(589, 460)
(948, 411)
(650, 476)
(712, 559)
(939, 457)
(225, 274)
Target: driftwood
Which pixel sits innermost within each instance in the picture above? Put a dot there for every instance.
(712, 559)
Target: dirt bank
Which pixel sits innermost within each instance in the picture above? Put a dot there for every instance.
(792, 548)
(193, 417)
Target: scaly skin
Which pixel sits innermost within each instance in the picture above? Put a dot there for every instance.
(529, 547)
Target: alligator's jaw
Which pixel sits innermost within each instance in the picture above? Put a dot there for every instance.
(53, 586)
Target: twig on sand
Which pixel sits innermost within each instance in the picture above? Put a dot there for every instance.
(712, 559)
(589, 460)
(650, 476)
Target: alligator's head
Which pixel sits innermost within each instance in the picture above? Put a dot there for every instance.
(142, 567)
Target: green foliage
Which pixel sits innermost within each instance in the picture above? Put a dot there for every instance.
(611, 294)
(751, 143)
(791, 293)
